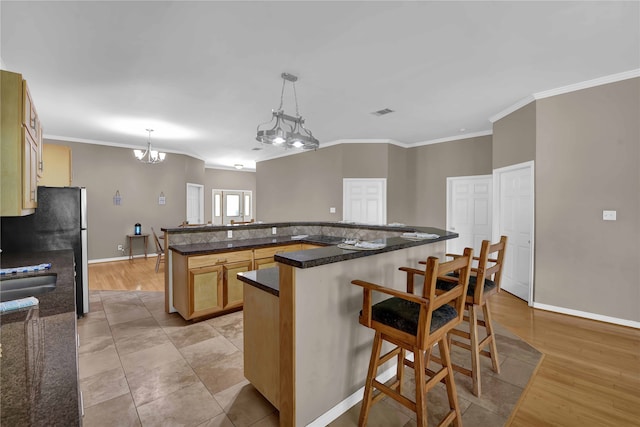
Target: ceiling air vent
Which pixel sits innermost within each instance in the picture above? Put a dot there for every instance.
(382, 112)
(256, 149)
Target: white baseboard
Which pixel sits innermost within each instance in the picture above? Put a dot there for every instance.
(342, 407)
(587, 315)
(120, 258)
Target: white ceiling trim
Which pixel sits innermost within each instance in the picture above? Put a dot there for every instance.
(566, 89)
(112, 144)
(453, 138)
(589, 83)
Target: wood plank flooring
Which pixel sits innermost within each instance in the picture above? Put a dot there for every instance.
(590, 375)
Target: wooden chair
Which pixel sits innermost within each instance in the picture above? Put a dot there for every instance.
(489, 272)
(415, 323)
(159, 249)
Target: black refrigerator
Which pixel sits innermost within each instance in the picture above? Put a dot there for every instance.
(60, 222)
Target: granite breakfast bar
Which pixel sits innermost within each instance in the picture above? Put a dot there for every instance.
(305, 350)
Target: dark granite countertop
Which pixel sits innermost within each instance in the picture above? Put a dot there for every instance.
(312, 257)
(39, 375)
(238, 245)
(330, 254)
(257, 225)
(267, 279)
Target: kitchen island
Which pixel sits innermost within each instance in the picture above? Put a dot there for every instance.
(305, 350)
(39, 371)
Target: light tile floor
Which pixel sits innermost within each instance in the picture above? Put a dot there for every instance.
(142, 366)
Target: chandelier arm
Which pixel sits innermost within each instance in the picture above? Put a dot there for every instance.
(295, 96)
(282, 94)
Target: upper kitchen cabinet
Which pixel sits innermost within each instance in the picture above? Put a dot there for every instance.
(57, 172)
(20, 147)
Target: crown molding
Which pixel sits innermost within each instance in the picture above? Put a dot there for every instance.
(112, 144)
(452, 138)
(612, 78)
(518, 105)
(625, 75)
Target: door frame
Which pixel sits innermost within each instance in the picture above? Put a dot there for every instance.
(497, 175)
(345, 196)
(449, 199)
(200, 187)
(223, 190)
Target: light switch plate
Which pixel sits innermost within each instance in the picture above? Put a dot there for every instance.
(608, 215)
(332, 210)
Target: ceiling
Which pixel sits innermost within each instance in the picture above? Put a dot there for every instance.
(204, 74)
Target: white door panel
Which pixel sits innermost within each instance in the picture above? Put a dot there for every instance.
(195, 203)
(365, 200)
(469, 214)
(514, 209)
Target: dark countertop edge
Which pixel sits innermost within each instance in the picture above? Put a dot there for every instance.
(240, 245)
(202, 228)
(321, 256)
(267, 279)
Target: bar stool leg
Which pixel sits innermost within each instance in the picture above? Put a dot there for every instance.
(400, 369)
(475, 351)
(371, 375)
(421, 401)
(450, 383)
(489, 327)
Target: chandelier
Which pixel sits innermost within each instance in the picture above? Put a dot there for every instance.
(149, 156)
(287, 131)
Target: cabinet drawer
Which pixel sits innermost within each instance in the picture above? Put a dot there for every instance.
(271, 251)
(221, 258)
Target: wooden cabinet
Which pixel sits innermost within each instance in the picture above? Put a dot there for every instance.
(21, 141)
(204, 285)
(264, 256)
(233, 295)
(57, 165)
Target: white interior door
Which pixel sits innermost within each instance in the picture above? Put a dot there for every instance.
(364, 200)
(469, 213)
(514, 191)
(195, 203)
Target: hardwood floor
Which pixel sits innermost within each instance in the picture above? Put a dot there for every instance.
(590, 375)
(130, 275)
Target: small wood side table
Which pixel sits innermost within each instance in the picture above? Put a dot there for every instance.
(145, 238)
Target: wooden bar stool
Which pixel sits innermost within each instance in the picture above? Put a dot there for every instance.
(415, 323)
(488, 272)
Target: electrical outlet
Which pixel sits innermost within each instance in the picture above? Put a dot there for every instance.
(229, 234)
(273, 230)
(332, 210)
(120, 248)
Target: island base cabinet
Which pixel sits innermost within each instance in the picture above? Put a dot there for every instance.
(206, 290)
(261, 316)
(233, 295)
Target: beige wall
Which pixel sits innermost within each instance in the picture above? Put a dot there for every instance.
(435, 163)
(588, 160)
(514, 137)
(300, 187)
(401, 187)
(104, 169)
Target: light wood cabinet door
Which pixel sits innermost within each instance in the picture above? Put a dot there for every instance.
(233, 295)
(265, 263)
(29, 173)
(57, 166)
(205, 290)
